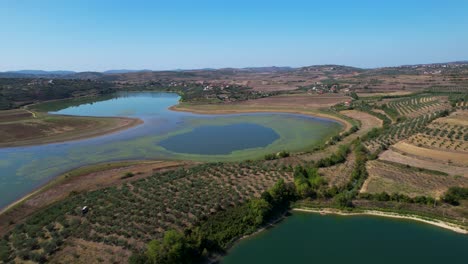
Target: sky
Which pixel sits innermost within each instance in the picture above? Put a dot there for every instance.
(98, 35)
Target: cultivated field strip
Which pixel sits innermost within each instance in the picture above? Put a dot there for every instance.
(339, 175)
(400, 131)
(131, 215)
(395, 178)
(417, 106)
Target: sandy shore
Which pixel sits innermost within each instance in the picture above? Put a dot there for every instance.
(434, 222)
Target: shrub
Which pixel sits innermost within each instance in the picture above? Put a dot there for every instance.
(127, 175)
(454, 194)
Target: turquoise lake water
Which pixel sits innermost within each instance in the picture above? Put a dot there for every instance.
(164, 134)
(313, 238)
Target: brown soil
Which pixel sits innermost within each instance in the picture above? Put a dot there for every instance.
(368, 121)
(254, 106)
(82, 251)
(22, 128)
(447, 157)
(305, 101)
(394, 93)
(410, 181)
(393, 156)
(339, 175)
(460, 117)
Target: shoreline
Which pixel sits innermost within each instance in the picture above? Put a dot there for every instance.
(414, 217)
(135, 122)
(346, 124)
(122, 123)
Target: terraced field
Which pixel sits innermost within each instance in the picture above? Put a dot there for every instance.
(416, 106)
(443, 142)
(396, 178)
(433, 139)
(400, 131)
(419, 162)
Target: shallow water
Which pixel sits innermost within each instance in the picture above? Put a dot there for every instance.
(313, 238)
(22, 169)
(213, 140)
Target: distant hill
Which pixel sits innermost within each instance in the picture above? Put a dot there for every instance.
(269, 69)
(222, 74)
(124, 71)
(35, 74)
(85, 75)
(40, 72)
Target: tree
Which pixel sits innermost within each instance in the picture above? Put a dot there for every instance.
(281, 192)
(343, 200)
(259, 209)
(354, 95)
(173, 249)
(454, 194)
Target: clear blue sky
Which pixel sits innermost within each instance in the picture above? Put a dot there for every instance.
(100, 35)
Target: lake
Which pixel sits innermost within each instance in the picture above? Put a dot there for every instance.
(165, 134)
(212, 140)
(313, 238)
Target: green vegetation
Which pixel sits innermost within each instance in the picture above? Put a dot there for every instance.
(398, 197)
(202, 92)
(16, 92)
(455, 194)
(127, 175)
(307, 181)
(218, 231)
(279, 155)
(179, 199)
(381, 139)
(193, 214)
(335, 158)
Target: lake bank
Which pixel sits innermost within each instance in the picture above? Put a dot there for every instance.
(303, 237)
(239, 109)
(43, 129)
(27, 168)
(435, 222)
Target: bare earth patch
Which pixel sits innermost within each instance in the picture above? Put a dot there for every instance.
(385, 177)
(393, 156)
(460, 117)
(82, 251)
(368, 121)
(299, 101)
(394, 93)
(447, 157)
